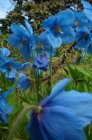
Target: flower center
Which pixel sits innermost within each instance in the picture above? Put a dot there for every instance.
(24, 41)
(58, 29)
(77, 23)
(41, 45)
(84, 36)
(9, 66)
(38, 109)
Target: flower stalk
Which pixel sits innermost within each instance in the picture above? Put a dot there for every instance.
(19, 120)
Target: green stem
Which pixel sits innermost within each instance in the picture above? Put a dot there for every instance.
(37, 84)
(51, 74)
(19, 120)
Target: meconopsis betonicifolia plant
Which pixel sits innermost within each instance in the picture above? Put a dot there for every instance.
(62, 115)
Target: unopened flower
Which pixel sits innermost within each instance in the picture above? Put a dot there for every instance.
(41, 62)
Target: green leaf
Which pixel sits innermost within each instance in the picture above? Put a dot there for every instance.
(84, 71)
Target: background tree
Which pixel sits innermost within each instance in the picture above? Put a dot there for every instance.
(37, 10)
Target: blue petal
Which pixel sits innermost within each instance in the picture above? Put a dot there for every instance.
(3, 118)
(78, 103)
(55, 42)
(87, 9)
(4, 59)
(15, 41)
(68, 35)
(62, 126)
(5, 109)
(82, 20)
(28, 26)
(57, 89)
(5, 65)
(45, 44)
(6, 94)
(19, 30)
(89, 49)
(25, 65)
(9, 109)
(16, 65)
(65, 18)
(23, 82)
(49, 23)
(4, 51)
(25, 51)
(79, 38)
(34, 126)
(11, 74)
(60, 86)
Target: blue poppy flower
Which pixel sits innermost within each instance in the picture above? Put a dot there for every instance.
(83, 38)
(4, 52)
(41, 62)
(60, 25)
(22, 38)
(44, 45)
(23, 82)
(9, 67)
(81, 20)
(87, 9)
(5, 109)
(62, 115)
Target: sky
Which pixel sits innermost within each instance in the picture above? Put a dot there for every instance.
(5, 6)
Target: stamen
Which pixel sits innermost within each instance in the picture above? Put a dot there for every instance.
(38, 109)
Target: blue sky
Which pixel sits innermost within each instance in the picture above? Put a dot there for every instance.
(5, 6)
